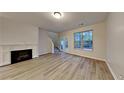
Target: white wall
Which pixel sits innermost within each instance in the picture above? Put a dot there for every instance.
(99, 41)
(115, 43)
(18, 33)
(45, 43)
(55, 38)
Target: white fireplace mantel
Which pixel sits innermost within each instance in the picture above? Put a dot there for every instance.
(5, 51)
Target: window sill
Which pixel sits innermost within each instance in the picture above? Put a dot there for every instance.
(88, 50)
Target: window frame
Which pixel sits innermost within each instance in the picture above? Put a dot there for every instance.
(82, 48)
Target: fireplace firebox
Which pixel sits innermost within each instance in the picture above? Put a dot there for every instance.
(20, 55)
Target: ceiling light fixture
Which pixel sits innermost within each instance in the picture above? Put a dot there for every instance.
(57, 15)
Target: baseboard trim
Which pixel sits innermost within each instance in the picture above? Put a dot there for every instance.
(4, 65)
(112, 72)
(87, 57)
(45, 54)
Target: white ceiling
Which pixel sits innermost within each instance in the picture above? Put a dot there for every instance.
(45, 20)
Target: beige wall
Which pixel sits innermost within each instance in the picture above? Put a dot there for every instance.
(115, 43)
(1, 30)
(99, 41)
(1, 53)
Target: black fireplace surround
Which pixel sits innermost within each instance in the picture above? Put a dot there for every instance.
(20, 55)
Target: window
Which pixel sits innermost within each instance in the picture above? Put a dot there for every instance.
(87, 40)
(83, 40)
(77, 40)
(64, 43)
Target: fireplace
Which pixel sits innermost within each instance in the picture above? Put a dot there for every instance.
(21, 55)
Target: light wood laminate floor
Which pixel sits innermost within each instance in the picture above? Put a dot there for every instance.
(57, 67)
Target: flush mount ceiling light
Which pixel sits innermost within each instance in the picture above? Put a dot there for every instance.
(57, 15)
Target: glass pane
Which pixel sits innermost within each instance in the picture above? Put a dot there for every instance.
(64, 43)
(77, 39)
(87, 40)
